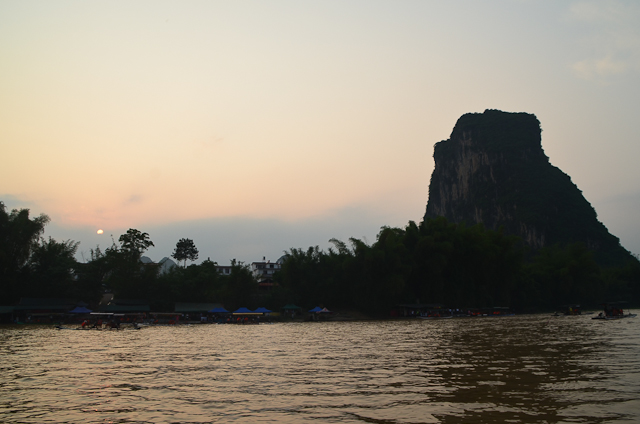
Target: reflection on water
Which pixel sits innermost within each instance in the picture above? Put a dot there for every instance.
(520, 369)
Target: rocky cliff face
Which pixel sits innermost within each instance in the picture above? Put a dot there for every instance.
(492, 170)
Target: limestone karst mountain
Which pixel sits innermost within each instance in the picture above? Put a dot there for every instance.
(166, 264)
(492, 170)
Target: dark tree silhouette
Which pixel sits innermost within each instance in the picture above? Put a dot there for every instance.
(19, 235)
(185, 249)
(52, 270)
(134, 243)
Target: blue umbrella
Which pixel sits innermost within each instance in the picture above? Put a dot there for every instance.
(316, 309)
(243, 310)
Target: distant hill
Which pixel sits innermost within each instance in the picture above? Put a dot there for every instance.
(165, 263)
(492, 170)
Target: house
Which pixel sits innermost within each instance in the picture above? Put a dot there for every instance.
(263, 272)
(224, 269)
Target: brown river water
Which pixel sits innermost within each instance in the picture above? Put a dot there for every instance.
(522, 369)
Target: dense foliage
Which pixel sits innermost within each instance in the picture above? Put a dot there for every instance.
(432, 262)
(19, 236)
(203, 283)
(455, 265)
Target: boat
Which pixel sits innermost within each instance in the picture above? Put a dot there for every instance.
(499, 312)
(608, 317)
(614, 310)
(436, 312)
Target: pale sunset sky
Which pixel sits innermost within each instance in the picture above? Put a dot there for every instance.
(252, 127)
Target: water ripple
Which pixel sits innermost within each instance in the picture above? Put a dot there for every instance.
(517, 369)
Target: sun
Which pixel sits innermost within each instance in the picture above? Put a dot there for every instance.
(100, 231)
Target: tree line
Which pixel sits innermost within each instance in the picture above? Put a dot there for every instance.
(434, 261)
(32, 266)
(455, 265)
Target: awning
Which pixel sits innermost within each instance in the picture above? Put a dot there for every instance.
(80, 310)
(245, 311)
(262, 310)
(319, 310)
(219, 311)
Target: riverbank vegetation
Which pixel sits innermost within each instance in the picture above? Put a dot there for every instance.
(432, 262)
(455, 265)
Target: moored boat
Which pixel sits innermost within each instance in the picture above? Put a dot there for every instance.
(608, 317)
(613, 310)
(436, 311)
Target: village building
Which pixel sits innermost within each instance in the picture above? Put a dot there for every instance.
(264, 271)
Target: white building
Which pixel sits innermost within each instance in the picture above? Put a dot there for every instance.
(223, 269)
(263, 271)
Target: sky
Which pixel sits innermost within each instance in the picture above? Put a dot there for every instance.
(254, 127)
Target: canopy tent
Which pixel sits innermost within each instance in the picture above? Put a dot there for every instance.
(219, 311)
(319, 310)
(262, 310)
(195, 308)
(80, 310)
(291, 306)
(245, 311)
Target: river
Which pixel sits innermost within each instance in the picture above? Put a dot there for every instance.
(522, 369)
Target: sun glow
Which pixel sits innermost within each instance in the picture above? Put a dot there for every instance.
(100, 231)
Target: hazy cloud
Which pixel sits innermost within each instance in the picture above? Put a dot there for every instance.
(133, 199)
(14, 202)
(611, 42)
(243, 238)
(588, 69)
(605, 11)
